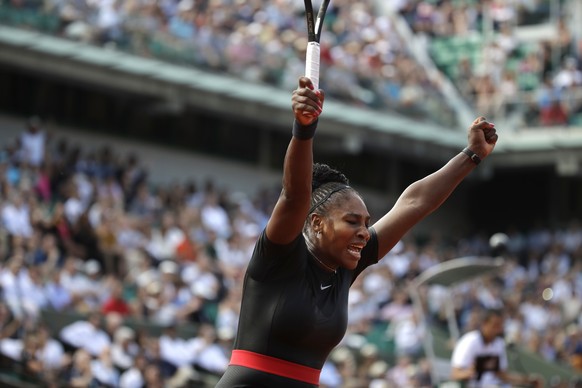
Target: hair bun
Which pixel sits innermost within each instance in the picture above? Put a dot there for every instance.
(322, 174)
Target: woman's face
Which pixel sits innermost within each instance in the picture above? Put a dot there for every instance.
(344, 231)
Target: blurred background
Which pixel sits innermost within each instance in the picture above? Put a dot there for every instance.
(141, 144)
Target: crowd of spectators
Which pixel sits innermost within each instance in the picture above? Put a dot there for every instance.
(537, 78)
(365, 59)
(85, 232)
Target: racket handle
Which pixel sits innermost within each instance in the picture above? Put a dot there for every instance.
(312, 63)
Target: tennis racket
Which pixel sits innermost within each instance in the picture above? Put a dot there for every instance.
(314, 27)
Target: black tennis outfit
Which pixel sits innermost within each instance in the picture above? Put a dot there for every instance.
(292, 310)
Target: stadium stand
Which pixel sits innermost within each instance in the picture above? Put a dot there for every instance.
(191, 33)
(90, 218)
(496, 55)
(500, 54)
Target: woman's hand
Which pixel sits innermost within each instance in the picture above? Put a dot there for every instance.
(482, 137)
(307, 103)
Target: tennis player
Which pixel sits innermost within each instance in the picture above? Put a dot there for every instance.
(479, 358)
(317, 241)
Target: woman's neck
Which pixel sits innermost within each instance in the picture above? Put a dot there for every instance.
(321, 263)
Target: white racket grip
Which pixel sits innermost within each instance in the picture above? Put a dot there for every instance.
(312, 63)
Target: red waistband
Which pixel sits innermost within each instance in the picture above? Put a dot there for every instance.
(275, 366)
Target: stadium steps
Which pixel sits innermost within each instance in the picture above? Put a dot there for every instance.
(447, 52)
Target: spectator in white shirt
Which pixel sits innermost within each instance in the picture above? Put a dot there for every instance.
(234, 252)
(175, 369)
(33, 143)
(164, 240)
(214, 217)
(32, 291)
(16, 216)
(85, 288)
(124, 348)
(398, 259)
(12, 348)
(568, 75)
(174, 349)
(535, 314)
(214, 349)
(10, 277)
(479, 356)
(408, 336)
(73, 205)
(86, 334)
(103, 369)
(202, 278)
(93, 284)
(52, 352)
(59, 297)
(229, 310)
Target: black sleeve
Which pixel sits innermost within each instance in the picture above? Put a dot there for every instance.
(274, 260)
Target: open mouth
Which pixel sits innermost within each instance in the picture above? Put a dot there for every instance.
(355, 250)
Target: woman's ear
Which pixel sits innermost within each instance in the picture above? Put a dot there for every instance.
(316, 222)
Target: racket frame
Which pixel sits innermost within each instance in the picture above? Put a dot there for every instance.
(314, 28)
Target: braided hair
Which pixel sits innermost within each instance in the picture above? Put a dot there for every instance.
(327, 186)
(326, 181)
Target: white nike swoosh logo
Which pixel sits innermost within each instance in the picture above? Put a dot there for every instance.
(324, 287)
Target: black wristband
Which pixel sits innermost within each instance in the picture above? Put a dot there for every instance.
(304, 132)
(473, 156)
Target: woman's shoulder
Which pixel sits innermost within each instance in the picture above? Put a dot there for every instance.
(272, 259)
